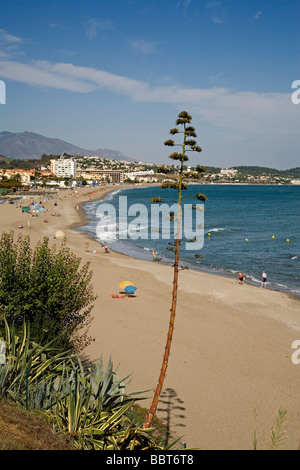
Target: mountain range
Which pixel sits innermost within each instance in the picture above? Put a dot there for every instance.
(29, 145)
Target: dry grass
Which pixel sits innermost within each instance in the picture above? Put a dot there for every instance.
(24, 430)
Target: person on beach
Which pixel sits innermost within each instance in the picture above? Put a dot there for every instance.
(241, 278)
(263, 279)
(153, 255)
(106, 248)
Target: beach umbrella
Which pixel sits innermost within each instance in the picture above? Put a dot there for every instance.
(130, 289)
(124, 284)
(60, 235)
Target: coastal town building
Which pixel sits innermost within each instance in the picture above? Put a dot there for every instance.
(22, 175)
(112, 176)
(142, 176)
(64, 167)
(228, 172)
(70, 171)
(26, 177)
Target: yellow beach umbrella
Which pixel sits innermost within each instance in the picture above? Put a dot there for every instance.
(124, 284)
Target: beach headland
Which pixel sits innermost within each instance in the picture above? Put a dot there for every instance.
(230, 368)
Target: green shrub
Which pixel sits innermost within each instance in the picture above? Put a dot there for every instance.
(45, 287)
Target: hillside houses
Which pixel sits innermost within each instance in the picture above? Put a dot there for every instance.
(67, 171)
(26, 177)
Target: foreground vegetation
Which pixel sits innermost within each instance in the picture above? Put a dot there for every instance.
(83, 402)
(46, 298)
(47, 288)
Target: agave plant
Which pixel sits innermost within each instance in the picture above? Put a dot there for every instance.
(34, 375)
(27, 364)
(83, 401)
(95, 411)
(106, 388)
(93, 428)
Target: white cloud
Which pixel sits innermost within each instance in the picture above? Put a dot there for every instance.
(10, 44)
(257, 15)
(219, 16)
(40, 75)
(9, 38)
(268, 115)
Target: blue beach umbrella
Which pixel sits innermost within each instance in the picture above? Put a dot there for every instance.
(130, 289)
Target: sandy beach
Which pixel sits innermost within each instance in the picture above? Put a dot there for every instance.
(230, 368)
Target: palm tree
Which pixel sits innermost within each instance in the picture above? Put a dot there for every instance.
(188, 144)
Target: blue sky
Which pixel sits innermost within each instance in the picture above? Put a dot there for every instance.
(115, 74)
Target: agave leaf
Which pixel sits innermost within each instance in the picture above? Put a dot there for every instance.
(172, 443)
(98, 445)
(7, 334)
(107, 377)
(97, 431)
(71, 411)
(118, 384)
(99, 367)
(113, 419)
(79, 363)
(52, 360)
(23, 342)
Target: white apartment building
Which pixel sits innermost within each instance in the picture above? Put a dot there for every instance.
(135, 174)
(64, 167)
(228, 172)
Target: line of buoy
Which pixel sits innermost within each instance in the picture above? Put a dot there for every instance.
(246, 239)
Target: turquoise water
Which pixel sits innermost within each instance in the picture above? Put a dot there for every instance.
(267, 216)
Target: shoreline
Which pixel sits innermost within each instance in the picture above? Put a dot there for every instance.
(231, 350)
(202, 269)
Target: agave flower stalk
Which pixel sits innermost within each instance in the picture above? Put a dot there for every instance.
(188, 144)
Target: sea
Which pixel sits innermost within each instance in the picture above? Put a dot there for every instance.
(245, 228)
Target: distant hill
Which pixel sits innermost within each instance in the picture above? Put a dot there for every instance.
(29, 145)
(259, 170)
